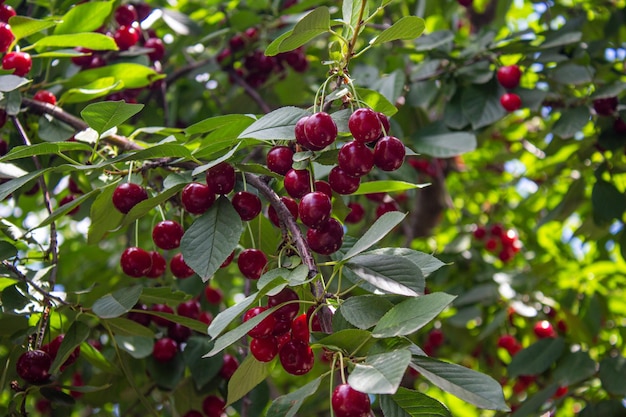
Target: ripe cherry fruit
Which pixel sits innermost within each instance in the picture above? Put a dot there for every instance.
(265, 327)
(213, 406)
(320, 129)
(33, 366)
(251, 263)
(348, 402)
(19, 62)
(296, 357)
(248, 205)
(136, 262)
(279, 159)
(221, 178)
(287, 312)
(291, 205)
(508, 76)
(126, 36)
(265, 349)
(125, 14)
(314, 209)
(341, 182)
(164, 349)
(159, 265)
(511, 102)
(6, 37)
(213, 295)
(297, 182)
(365, 125)
(45, 96)
(179, 267)
(355, 158)
(327, 238)
(127, 195)
(389, 153)
(197, 198)
(189, 308)
(229, 366)
(357, 212)
(543, 329)
(167, 234)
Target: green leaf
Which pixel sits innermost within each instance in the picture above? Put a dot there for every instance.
(248, 375)
(23, 26)
(212, 123)
(75, 335)
(380, 374)
(392, 274)
(85, 17)
(377, 101)
(162, 295)
(572, 199)
(97, 359)
(385, 186)
(7, 251)
(129, 74)
(125, 327)
(408, 27)
(613, 375)
(310, 26)
(411, 315)
(193, 324)
(350, 341)
(138, 347)
(445, 145)
(425, 262)
(203, 370)
(98, 88)
(570, 73)
(434, 40)
(531, 406)
(383, 225)
(276, 125)
(224, 318)
(94, 41)
(65, 209)
(350, 12)
(118, 303)
(560, 38)
(365, 311)
(537, 358)
(200, 169)
(607, 201)
(288, 405)
(471, 386)
(212, 238)
(166, 375)
(104, 216)
(109, 114)
(481, 104)
(10, 82)
(571, 122)
(575, 367)
(409, 403)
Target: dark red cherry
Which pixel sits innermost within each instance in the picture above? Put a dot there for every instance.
(300, 328)
(213, 406)
(348, 402)
(6, 12)
(68, 199)
(161, 308)
(384, 121)
(389, 153)
(251, 263)
(126, 36)
(264, 350)
(341, 182)
(221, 178)
(365, 125)
(125, 15)
(248, 205)
(52, 349)
(167, 234)
(33, 366)
(229, 366)
(320, 130)
(357, 212)
(314, 209)
(143, 10)
(178, 332)
(127, 195)
(265, 327)
(4, 147)
(213, 295)
(327, 238)
(237, 42)
(316, 326)
(189, 308)
(605, 106)
(323, 187)
(141, 318)
(197, 198)
(228, 260)
(164, 349)
(6, 37)
(510, 102)
(179, 268)
(544, 329)
(508, 76)
(355, 158)
(386, 208)
(291, 205)
(279, 159)
(301, 136)
(159, 265)
(19, 62)
(287, 312)
(136, 262)
(205, 317)
(296, 357)
(298, 182)
(158, 49)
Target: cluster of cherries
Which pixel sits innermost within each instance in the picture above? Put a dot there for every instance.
(509, 76)
(33, 366)
(252, 64)
(497, 239)
(19, 62)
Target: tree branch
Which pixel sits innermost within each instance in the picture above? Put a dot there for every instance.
(36, 287)
(265, 108)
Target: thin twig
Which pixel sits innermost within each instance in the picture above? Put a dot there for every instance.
(27, 280)
(265, 108)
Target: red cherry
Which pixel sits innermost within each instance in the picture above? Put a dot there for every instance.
(356, 159)
(126, 36)
(510, 343)
(279, 159)
(136, 262)
(77, 381)
(19, 62)
(221, 178)
(265, 327)
(4, 147)
(506, 254)
(197, 198)
(291, 205)
(229, 366)
(302, 138)
(323, 187)
(436, 338)
(82, 60)
(508, 76)
(6, 12)
(314, 209)
(158, 49)
(33, 366)
(511, 102)
(287, 312)
(248, 205)
(228, 260)
(376, 197)
(386, 208)
(125, 15)
(348, 402)
(141, 318)
(52, 349)
(251, 33)
(320, 129)
(213, 406)
(365, 125)
(619, 126)
(143, 10)
(496, 230)
(341, 182)
(316, 326)
(161, 308)
(264, 350)
(178, 332)
(300, 328)
(327, 238)
(164, 349)
(389, 153)
(189, 308)
(480, 233)
(296, 357)
(561, 391)
(45, 96)
(206, 317)
(384, 121)
(213, 295)
(297, 182)
(6, 37)
(251, 263)
(237, 42)
(159, 265)
(466, 3)
(179, 268)
(127, 195)
(543, 329)
(167, 234)
(68, 199)
(605, 106)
